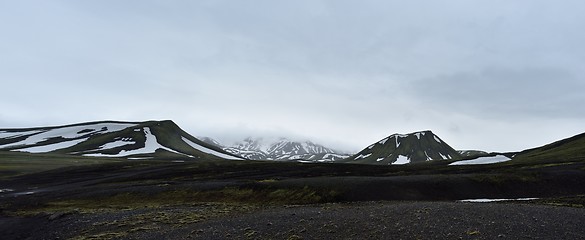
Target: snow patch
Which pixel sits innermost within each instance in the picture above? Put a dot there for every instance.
(371, 146)
(437, 139)
(483, 160)
(486, 200)
(209, 151)
(401, 160)
(362, 156)
(380, 159)
(383, 141)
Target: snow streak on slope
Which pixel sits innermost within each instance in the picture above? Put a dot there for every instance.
(52, 147)
(71, 132)
(150, 146)
(209, 151)
(119, 143)
(9, 135)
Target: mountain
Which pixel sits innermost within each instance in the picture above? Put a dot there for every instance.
(281, 149)
(161, 139)
(405, 148)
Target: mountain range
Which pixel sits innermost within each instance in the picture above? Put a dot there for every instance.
(166, 140)
(281, 149)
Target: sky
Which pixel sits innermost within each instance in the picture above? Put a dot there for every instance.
(492, 75)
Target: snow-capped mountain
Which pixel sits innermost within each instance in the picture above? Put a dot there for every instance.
(405, 148)
(472, 153)
(150, 139)
(280, 149)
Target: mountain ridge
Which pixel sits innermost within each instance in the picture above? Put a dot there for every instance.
(111, 139)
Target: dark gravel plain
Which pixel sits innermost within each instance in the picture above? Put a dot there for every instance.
(259, 200)
(358, 220)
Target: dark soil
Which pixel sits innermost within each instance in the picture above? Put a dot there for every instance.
(260, 200)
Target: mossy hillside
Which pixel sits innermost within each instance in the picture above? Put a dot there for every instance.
(567, 150)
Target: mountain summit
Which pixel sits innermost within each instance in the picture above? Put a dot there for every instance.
(405, 148)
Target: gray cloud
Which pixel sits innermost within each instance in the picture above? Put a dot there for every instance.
(507, 93)
(339, 72)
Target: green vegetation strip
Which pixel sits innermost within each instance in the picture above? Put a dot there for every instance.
(230, 195)
(137, 212)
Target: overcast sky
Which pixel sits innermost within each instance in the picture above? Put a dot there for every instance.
(494, 75)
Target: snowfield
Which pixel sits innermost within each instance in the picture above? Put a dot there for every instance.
(483, 160)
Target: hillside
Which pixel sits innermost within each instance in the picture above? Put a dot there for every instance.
(133, 140)
(566, 150)
(405, 148)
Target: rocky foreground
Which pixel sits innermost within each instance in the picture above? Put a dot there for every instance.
(363, 220)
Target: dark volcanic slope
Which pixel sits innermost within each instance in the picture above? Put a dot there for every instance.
(405, 148)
